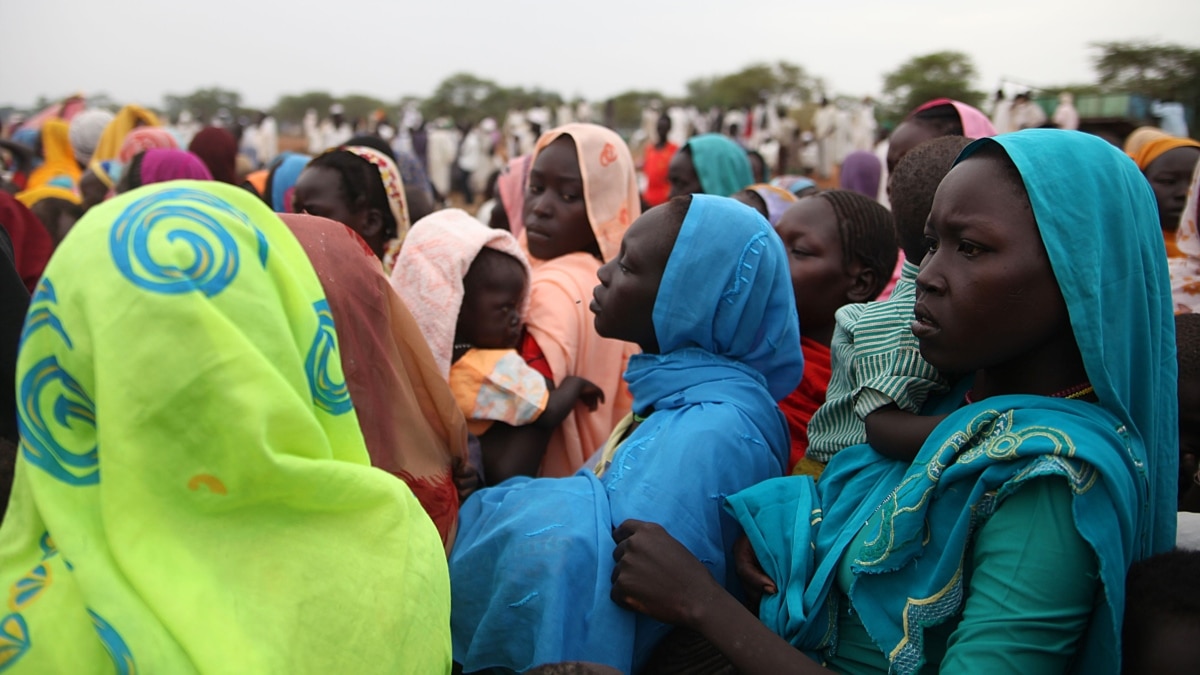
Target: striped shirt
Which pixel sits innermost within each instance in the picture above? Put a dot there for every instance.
(876, 362)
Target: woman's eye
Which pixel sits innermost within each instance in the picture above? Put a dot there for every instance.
(970, 250)
(931, 244)
(569, 198)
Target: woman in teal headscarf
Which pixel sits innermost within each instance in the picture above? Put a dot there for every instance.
(710, 164)
(1003, 547)
(531, 568)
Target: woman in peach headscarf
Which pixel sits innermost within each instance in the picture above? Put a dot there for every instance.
(145, 138)
(582, 195)
(409, 419)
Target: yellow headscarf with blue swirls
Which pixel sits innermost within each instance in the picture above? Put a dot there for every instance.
(193, 492)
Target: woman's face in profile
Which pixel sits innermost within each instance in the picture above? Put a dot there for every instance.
(986, 294)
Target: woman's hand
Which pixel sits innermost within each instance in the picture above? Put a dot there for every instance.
(755, 581)
(657, 576)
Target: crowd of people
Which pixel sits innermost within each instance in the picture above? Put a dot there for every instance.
(672, 404)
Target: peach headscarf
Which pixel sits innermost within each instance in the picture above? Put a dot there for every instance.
(145, 138)
(609, 181)
(409, 419)
(1157, 147)
(431, 267)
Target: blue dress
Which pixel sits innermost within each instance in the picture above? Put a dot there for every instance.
(532, 564)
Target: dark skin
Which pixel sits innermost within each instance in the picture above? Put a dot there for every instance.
(681, 174)
(92, 189)
(820, 278)
(907, 136)
(974, 263)
(1189, 443)
(753, 200)
(318, 192)
(1170, 175)
(556, 220)
(499, 217)
(663, 128)
(490, 318)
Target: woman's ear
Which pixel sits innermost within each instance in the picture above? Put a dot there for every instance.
(864, 283)
(373, 224)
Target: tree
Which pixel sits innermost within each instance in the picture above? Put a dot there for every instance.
(945, 74)
(1166, 72)
(204, 104)
(291, 108)
(628, 107)
(460, 97)
(359, 106)
(786, 82)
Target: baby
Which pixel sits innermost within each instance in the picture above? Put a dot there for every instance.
(468, 286)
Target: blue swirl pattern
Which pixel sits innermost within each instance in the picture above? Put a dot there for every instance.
(41, 313)
(332, 397)
(114, 644)
(70, 405)
(215, 251)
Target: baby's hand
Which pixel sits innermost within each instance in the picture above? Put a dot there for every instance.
(587, 393)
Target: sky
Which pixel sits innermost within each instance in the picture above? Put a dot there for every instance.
(139, 50)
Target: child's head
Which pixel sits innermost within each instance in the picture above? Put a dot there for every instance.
(841, 249)
(770, 201)
(1187, 341)
(1161, 632)
(623, 303)
(347, 185)
(582, 193)
(911, 188)
(494, 291)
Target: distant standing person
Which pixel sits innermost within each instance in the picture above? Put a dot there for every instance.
(655, 161)
(825, 127)
(1065, 115)
(1026, 114)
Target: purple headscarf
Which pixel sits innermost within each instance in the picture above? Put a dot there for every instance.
(160, 165)
(861, 172)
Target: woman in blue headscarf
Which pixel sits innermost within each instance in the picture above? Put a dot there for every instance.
(710, 164)
(281, 180)
(713, 311)
(1003, 547)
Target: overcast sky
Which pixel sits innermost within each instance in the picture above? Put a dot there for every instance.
(138, 50)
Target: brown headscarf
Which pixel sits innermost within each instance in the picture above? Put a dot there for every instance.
(409, 419)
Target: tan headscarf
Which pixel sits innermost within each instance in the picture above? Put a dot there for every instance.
(609, 181)
(1140, 137)
(410, 420)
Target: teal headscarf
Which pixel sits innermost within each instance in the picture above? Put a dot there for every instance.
(721, 164)
(1119, 456)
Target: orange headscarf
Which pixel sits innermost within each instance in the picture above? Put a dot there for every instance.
(409, 419)
(1157, 147)
(60, 168)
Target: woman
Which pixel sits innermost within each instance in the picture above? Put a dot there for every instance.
(702, 286)
(409, 419)
(710, 164)
(946, 572)
(159, 166)
(281, 180)
(861, 172)
(145, 138)
(1185, 269)
(60, 168)
(31, 242)
(126, 120)
(203, 502)
(1168, 164)
(218, 149)
(934, 119)
(580, 198)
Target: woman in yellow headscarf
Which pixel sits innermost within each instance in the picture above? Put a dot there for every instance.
(60, 168)
(129, 118)
(193, 492)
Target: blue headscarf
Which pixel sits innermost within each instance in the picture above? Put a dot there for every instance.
(285, 171)
(1119, 456)
(721, 164)
(532, 564)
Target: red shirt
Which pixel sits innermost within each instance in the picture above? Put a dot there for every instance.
(802, 404)
(655, 161)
